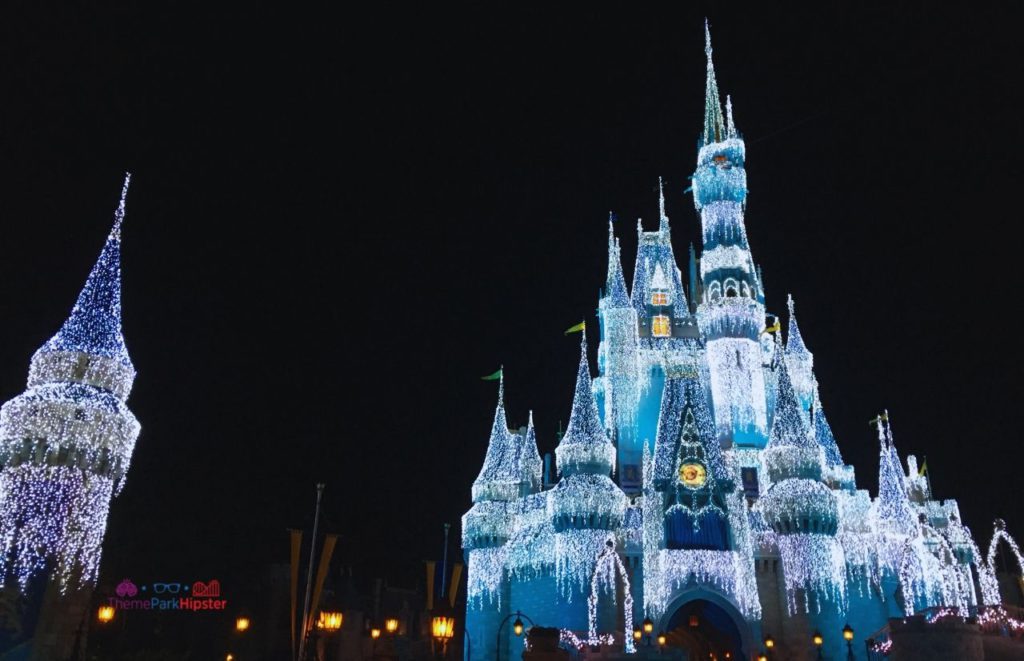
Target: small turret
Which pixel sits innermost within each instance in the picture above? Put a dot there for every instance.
(800, 361)
(791, 450)
(500, 478)
(616, 295)
(895, 513)
(585, 448)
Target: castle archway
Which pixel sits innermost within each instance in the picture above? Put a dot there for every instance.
(707, 625)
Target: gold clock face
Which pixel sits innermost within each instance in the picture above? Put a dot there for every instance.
(693, 475)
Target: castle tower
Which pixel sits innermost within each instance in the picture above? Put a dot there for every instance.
(65, 447)
(731, 313)
(619, 386)
(804, 515)
(487, 526)
(586, 506)
(666, 334)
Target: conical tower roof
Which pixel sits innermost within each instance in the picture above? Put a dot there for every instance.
(794, 341)
(585, 447)
(789, 426)
(894, 509)
(94, 326)
(823, 435)
(498, 479)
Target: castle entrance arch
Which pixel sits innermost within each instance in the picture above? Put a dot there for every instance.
(707, 625)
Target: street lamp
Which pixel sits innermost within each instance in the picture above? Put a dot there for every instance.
(818, 641)
(648, 626)
(443, 628)
(105, 614)
(242, 624)
(375, 633)
(661, 640)
(391, 625)
(637, 634)
(517, 628)
(848, 637)
(329, 621)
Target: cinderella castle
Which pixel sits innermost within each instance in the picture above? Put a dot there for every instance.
(699, 496)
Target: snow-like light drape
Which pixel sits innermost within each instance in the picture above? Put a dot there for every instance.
(66, 442)
(813, 563)
(603, 582)
(736, 379)
(485, 570)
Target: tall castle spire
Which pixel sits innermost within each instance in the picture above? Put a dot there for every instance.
(714, 130)
(89, 348)
(616, 293)
(94, 326)
(663, 217)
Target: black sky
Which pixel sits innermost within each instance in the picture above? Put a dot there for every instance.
(338, 223)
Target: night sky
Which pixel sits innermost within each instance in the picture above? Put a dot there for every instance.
(337, 224)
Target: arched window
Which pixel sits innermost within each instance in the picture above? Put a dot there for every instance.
(731, 288)
(714, 291)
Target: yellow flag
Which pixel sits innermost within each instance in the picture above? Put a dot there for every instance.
(924, 468)
(774, 328)
(577, 328)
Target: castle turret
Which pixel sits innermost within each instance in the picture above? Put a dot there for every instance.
(800, 508)
(894, 512)
(586, 506)
(66, 442)
(65, 447)
(800, 361)
(731, 313)
(619, 387)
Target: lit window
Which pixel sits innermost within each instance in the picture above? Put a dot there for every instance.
(659, 298)
(660, 327)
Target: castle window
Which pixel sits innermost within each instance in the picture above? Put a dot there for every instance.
(660, 326)
(659, 298)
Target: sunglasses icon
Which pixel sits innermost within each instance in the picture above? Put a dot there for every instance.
(170, 588)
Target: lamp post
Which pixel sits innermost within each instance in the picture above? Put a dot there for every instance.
(517, 627)
(769, 645)
(442, 628)
(327, 624)
(661, 642)
(105, 614)
(818, 642)
(848, 637)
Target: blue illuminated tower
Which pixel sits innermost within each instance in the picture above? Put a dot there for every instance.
(732, 313)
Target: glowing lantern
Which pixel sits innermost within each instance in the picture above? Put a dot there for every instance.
(105, 614)
(242, 624)
(391, 625)
(329, 621)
